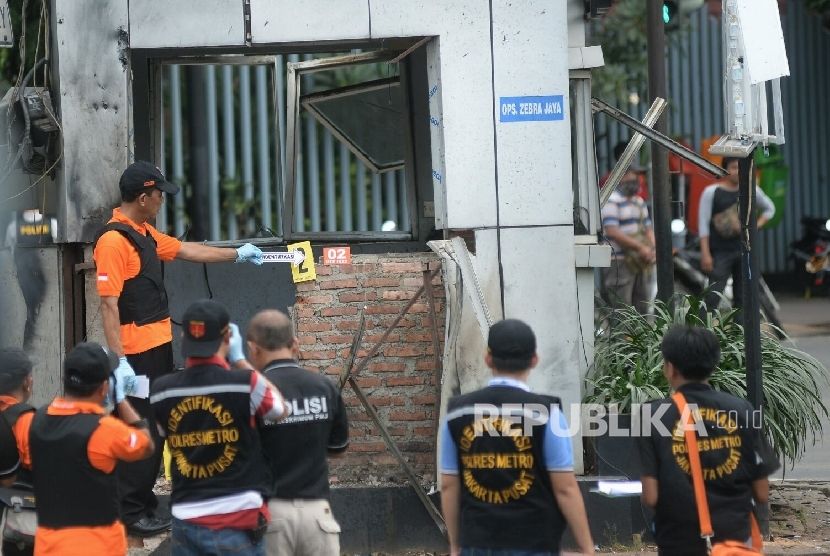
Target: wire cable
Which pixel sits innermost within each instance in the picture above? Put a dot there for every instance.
(496, 161)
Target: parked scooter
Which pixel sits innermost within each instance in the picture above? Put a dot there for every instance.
(812, 250)
(688, 274)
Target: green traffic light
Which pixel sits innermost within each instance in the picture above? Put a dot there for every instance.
(666, 14)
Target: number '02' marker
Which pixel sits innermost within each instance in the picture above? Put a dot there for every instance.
(337, 255)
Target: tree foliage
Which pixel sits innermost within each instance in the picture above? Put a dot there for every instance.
(820, 6)
(35, 31)
(622, 33)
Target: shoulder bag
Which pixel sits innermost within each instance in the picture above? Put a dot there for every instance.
(723, 548)
(19, 520)
(727, 222)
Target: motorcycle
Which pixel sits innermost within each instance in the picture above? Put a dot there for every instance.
(811, 252)
(693, 281)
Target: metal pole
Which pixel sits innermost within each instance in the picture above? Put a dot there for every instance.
(263, 145)
(750, 275)
(377, 208)
(299, 187)
(199, 202)
(247, 142)
(346, 187)
(752, 313)
(280, 85)
(213, 152)
(391, 195)
(328, 176)
(299, 181)
(313, 166)
(230, 145)
(362, 211)
(405, 224)
(659, 156)
(311, 154)
(161, 217)
(178, 150)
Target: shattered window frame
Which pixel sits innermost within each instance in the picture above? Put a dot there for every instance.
(311, 103)
(294, 99)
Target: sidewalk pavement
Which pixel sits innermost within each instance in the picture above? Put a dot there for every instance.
(807, 321)
(804, 317)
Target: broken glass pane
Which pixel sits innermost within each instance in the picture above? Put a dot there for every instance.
(368, 118)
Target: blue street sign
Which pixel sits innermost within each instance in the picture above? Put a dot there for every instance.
(532, 109)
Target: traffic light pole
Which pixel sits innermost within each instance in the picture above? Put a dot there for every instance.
(659, 156)
(751, 311)
(750, 275)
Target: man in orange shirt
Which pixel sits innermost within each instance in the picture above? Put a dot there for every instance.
(74, 449)
(15, 390)
(135, 314)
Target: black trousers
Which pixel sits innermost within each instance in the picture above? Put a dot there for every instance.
(727, 263)
(10, 549)
(136, 479)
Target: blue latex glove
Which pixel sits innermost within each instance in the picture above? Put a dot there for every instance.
(235, 353)
(116, 392)
(110, 394)
(249, 253)
(124, 379)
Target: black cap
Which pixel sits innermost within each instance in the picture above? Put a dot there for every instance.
(511, 339)
(89, 364)
(204, 324)
(15, 365)
(140, 175)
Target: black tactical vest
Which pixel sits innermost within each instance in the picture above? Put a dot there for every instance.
(723, 200)
(143, 299)
(33, 233)
(12, 414)
(206, 411)
(69, 491)
(507, 500)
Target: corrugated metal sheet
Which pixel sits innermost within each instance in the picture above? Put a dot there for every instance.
(696, 111)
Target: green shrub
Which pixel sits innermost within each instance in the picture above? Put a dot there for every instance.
(628, 369)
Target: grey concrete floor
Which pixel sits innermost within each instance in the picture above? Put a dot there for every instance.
(808, 323)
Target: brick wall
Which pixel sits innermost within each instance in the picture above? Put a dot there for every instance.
(400, 381)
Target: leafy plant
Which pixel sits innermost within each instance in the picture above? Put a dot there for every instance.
(622, 34)
(628, 369)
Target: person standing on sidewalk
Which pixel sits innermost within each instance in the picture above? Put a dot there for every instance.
(522, 505)
(74, 449)
(208, 414)
(735, 455)
(719, 226)
(302, 523)
(627, 226)
(136, 318)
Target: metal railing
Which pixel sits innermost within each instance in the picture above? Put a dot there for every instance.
(244, 137)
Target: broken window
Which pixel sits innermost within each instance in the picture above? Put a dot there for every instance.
(367, 118)
(320, 140)
(217, 136)
(367, 114)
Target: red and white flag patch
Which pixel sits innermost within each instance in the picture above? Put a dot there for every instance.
(102, 277)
